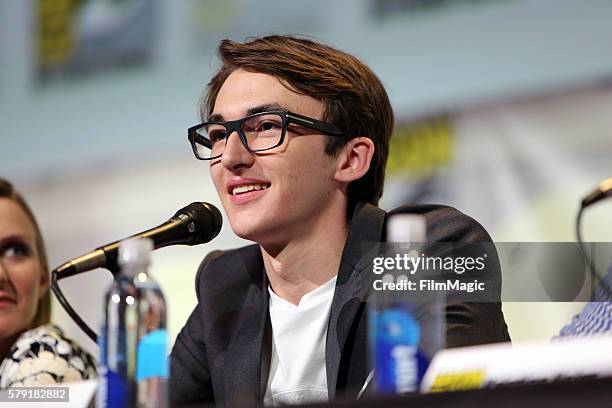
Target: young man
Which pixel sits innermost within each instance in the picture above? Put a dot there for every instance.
(297, 136)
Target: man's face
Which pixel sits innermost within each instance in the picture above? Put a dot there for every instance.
(293, 182)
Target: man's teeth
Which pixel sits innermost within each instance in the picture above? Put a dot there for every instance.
(248, 187)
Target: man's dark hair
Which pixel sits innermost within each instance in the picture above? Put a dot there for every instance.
(353, 97)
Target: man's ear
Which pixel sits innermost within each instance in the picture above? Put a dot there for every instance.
(353, 159)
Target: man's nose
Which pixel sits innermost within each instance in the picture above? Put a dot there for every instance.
(3, 271)
(236, 154)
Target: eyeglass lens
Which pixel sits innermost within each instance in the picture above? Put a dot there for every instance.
(261, 132)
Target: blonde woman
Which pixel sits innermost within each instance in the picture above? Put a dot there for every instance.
(32, 351)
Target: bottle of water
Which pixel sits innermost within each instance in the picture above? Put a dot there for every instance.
(406, 328)
(133, 341)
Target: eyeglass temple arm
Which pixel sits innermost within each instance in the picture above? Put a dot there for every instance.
(314, 124)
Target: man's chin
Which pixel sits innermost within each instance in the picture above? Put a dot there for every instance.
(259, 232)
(246, 230)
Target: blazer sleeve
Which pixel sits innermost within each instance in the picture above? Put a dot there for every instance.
(190, 379)
(467, 323)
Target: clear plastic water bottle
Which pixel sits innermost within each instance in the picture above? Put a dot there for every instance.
(133, 341)
(405, 329)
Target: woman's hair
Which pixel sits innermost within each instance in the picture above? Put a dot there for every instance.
(43, 313)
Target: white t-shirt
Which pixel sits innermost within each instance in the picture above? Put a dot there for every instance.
(297, 365)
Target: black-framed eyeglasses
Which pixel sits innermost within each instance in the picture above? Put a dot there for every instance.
(259, 132)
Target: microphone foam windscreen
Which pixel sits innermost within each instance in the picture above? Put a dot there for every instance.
(207, 221)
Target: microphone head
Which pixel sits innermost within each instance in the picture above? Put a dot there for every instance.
(204, 221)
(602, 191)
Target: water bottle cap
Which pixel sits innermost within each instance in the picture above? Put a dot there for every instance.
(406, 228)
(135, 251)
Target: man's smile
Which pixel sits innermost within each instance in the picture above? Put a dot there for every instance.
(243, 189)
(248, 187)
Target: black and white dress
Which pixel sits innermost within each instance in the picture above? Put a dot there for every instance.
(44, 356)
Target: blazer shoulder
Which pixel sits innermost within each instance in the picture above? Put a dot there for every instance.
(228, 271)
(446, 224)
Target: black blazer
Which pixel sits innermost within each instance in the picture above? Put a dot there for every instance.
(222, 354)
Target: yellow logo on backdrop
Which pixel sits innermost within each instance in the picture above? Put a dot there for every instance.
(422, 147)
(55, 25)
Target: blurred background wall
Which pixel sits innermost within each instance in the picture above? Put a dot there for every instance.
(503, 111)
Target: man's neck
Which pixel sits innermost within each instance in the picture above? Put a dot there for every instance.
(305, 264)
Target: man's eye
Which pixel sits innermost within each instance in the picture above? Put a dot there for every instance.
(15, 250)
(217, 135)
(267, 125)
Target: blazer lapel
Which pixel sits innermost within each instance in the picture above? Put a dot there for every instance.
(352, 287)
(243, 358)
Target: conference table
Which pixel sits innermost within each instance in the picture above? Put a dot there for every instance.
(577, 393)
(584, 392)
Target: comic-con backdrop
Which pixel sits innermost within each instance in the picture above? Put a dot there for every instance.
(502, 107)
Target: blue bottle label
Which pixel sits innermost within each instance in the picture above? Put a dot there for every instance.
(112, 389)
(152, 360)
(399, 364)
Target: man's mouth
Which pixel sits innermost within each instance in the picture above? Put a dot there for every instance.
(245, 188)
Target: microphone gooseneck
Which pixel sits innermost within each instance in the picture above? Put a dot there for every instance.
(194, 224)
(603, 190)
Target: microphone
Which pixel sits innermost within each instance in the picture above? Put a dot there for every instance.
(194, 224)
(603, 190)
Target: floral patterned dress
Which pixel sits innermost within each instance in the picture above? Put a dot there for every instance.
(44, 356)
